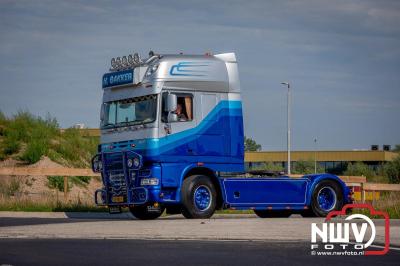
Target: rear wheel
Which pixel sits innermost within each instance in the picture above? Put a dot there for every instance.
(147, 212)
(272, 214)
(327, 196)
(199, 197)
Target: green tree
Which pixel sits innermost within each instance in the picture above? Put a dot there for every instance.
(251, 145)
(392, 170)
(396, 148)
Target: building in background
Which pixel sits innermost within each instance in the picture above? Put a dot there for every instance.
(331, 161)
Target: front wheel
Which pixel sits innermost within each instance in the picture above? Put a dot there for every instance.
(327, 196)
(199, 197)
(147, 212)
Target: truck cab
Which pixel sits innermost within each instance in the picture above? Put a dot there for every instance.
(172, 137)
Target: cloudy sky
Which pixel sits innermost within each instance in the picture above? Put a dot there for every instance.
(341, 57)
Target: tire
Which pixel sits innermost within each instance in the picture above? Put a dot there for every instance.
(144, 212)
(308, 213)
(327, 196)
(272, 214)
(199, 197)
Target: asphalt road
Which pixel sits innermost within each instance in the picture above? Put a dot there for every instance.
(9, 221)
(82, 239)
(157, 252)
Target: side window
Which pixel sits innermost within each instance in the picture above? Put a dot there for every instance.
(184, 108)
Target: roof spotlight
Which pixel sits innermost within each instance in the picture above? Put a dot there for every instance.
(136, 58)
(118, 62)
(130, 59)
(124, 61)
(113, 63)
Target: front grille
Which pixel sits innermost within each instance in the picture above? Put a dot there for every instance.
(117, 184)
(113, 161)
(121, 183)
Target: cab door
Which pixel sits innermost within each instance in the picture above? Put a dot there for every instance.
(176, 137)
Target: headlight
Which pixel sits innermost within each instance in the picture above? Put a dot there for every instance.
(96, 166)
(149, 181)
(136, 162)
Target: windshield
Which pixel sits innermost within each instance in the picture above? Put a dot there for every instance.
(133, 111)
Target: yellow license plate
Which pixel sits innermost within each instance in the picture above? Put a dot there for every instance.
(118, 199)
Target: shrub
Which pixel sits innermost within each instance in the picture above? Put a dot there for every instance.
(306, 167)
(56, 182)
(20, 126)
(82, 181)
(75, 148)
(10, 146)
(42, 136)
(34, 151)
(268, 166)
(392, 170)
(359, 169)
(3, 122)
(3, 118)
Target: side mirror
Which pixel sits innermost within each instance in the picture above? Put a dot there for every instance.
(172, 117)
(172, 102)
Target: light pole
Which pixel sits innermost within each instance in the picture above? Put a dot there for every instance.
(288, 125)
(315, 156)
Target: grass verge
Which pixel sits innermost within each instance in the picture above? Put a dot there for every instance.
(47, 203)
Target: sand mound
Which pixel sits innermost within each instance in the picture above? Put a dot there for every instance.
(45, 162)
(36, 186)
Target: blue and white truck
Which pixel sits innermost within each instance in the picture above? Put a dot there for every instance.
(172, 138)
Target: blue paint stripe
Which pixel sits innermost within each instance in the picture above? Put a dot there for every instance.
(222, 109)
(225, 108)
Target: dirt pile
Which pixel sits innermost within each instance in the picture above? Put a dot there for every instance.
(38, 186)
